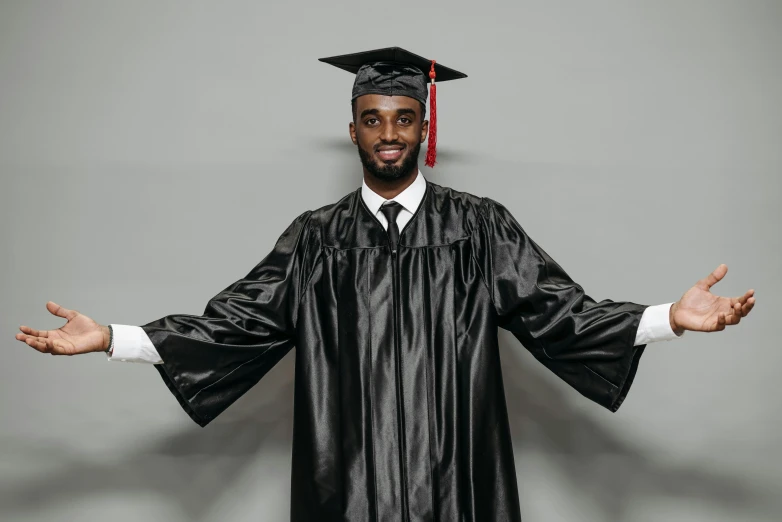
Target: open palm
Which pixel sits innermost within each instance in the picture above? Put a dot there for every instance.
(701, 311)
(79, 335)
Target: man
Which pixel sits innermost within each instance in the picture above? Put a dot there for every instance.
(393, 297)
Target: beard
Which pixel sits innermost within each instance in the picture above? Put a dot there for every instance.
(389, 172)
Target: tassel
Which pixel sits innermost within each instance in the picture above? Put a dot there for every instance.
(431, 150)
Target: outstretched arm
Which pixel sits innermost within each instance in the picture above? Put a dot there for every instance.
(588, 344)
(210, 360)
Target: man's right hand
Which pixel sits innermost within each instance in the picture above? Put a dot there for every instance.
(79, 335)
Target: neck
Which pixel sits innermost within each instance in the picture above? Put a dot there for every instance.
(389, 189)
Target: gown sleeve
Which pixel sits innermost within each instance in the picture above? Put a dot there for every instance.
(211, 360)
(588, 344)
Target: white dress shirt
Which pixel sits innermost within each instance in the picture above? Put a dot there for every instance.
(132, 344)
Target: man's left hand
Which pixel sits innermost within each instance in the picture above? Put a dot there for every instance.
(701, 311)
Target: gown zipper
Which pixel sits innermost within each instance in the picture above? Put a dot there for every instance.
(397, 351)
(399, 392)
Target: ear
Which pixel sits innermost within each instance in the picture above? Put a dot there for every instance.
(424, 130)
(352, 130)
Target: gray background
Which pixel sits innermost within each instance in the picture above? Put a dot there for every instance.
(152, 152)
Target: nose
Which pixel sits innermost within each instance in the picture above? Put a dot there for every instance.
(388, 132)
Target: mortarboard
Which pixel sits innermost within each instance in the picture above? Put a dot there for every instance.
(393, 71)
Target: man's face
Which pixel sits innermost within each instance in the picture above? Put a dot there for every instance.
(388, 132)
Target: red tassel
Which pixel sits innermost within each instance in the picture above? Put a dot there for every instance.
(431, 151)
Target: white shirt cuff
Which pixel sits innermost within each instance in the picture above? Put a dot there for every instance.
(655, 325)
(132, 344)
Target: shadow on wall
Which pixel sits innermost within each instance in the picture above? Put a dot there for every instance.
(190, 469)
(194, 468)
(613, 472)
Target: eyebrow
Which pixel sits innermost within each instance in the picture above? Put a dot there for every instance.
(376, 112)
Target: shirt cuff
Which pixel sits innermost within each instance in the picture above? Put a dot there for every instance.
(132, 344)
(655, 325)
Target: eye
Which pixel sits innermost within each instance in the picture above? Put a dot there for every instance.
(405, 120)
(370, 121)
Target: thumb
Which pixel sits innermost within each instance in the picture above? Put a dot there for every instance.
(59, 311)
(711, 279)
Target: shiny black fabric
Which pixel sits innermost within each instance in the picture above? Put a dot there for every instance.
(399, 407)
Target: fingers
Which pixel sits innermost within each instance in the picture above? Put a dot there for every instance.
(745, 308)
(736, 315)
(34, 332)
(41, 344)
(746, 302)
(730, 318)
(59, 311)
(721, 322)
(743, 298)
(724, 320)
(38, 339)
(739, 307)
(708, 281)
(45, 344)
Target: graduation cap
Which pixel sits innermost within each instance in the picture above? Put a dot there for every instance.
(393, 71)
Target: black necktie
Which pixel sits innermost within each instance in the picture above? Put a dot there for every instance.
(391, 210)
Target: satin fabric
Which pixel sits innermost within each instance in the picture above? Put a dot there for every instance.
(399, 406)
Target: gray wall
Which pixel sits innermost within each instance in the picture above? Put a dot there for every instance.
(152, 152)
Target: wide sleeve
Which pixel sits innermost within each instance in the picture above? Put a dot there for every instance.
(588, 344)
(211, 360)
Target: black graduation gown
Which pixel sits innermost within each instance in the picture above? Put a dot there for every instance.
(399, 407)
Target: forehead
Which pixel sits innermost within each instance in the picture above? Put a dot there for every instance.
(386, 103)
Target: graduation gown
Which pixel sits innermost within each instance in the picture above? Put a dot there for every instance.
(399, 406)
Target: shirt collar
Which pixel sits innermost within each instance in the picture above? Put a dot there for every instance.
(409, 198)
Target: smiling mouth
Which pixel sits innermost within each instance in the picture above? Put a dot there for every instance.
(390, 154)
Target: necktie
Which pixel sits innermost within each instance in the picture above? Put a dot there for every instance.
(391, 210)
